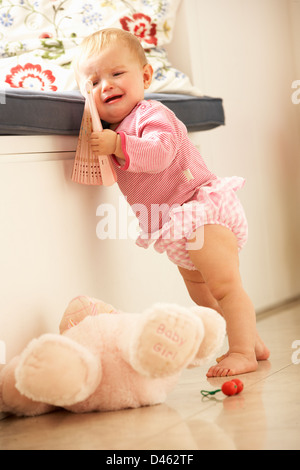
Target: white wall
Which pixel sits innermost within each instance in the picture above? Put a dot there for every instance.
(50, 252)
(248, 53)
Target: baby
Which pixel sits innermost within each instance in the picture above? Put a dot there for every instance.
(190, 213)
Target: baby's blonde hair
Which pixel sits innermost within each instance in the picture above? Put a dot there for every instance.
(93, 44)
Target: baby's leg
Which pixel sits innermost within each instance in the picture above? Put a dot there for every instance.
(218, 263)
(198, 289)
(201, 295)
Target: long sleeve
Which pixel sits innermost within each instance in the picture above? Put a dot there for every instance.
(155, 146)
(162, 168)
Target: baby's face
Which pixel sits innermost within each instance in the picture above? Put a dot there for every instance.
(119, 81)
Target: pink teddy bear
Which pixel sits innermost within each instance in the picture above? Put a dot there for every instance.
(105, 360)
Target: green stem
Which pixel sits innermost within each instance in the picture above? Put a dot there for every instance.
(206, 393)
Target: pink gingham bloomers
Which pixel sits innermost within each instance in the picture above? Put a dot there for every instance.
(214, 203)
(169, 187)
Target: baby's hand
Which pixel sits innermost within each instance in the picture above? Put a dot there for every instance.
(104, 142)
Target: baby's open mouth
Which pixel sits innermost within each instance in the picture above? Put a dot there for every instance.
(111, 99)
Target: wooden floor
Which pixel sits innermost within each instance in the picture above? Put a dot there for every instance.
(266, 415)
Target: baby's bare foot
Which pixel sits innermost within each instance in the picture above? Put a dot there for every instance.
(233, 364)
(261, 351)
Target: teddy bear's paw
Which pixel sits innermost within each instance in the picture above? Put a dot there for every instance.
(215, 331)
(168, 340)
(11, 401)
(56, 370)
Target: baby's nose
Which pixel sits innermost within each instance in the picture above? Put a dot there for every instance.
(106, 85)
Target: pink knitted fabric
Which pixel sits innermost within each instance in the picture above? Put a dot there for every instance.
(162, 168)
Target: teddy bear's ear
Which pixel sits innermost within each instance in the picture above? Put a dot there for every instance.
(81, 307)
(101, 307)
(76, 311)
(215, 330)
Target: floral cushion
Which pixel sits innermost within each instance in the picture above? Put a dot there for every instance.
(39, 40)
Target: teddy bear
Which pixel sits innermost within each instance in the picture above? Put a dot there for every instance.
(105, 359)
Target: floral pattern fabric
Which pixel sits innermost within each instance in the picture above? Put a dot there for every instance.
(38, 39)
(31, 76)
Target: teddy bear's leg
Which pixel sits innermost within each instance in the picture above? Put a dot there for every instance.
(12, 401)
(56, 370)
(215, 330)
(165, 341)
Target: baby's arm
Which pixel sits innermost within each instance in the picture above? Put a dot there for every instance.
(154, 138)
(158, 150)
(107, 142)
(154, 146)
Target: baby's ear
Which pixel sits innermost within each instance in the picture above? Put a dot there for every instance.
(147, 74)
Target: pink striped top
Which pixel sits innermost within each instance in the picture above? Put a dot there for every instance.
(162, 169)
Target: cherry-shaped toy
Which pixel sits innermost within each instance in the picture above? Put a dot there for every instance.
(232, 387)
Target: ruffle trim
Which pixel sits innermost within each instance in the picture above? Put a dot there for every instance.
(199, 211)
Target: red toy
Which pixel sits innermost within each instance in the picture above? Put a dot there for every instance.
(233, 387)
